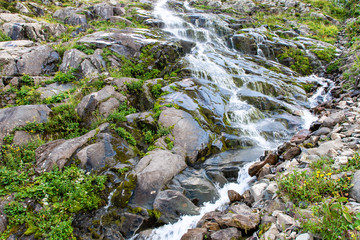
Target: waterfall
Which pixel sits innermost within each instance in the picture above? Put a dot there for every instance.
(214, 61)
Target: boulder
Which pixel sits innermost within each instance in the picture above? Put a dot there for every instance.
(130, 223)
(23, 138)
(247, 220)
(195, 234)
(326, 148)
(321, 131)
(54, 89)
(154, 171)
(270, 159)
(58, 152)
(103, 10)
(90, 102)
(234, 196)
(21, 61)
(72, 59)
(355, 190)
(190, 140)
(173, 204)
(226, 234)
(300, 136)
(257, 191)
(334, 119)
(291, 153)
(20, 116)
(71, 16)
(199, 190)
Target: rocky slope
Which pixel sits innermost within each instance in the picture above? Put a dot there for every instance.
(105, 132)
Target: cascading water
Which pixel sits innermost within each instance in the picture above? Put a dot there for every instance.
(212, 62)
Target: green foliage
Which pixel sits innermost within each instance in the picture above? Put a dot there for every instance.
(170, 144)
(156, 90)
(27, 80)
(299, 62)
(61, 194)
(65, 77)
(9, 6)
(334, 66)
(27, 95)
(86, 49)
(327, 54)
(149, 136)
(125, 134)
(314, 185)
(308, 87)
(4, 37)
(141, 68)
(134, 86)
(63, 122)
(324, 32)
(120, 114)
(334, 220)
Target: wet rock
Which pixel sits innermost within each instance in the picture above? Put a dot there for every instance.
(195, 234)
(208, 217)
(245, 43)
(173, 204)
(58, 152)
(211, 226)
(315, 126)
(226, 234)
(355, 190)
(153, 172)
(285, 146)
(291, 153)
(270, 159)
(191, 141)
(200, 190)
(20, 116)
(234, 196)
(102, 154)
(130, 223)
(300, 137)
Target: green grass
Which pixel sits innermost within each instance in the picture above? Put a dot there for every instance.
(332, 219)
(300, 63)
(59, 193)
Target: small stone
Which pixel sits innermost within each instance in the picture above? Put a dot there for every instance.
(355, 190)
(335, 136)
(234, 196)
(304, 236)
(195, 234)
(257, 191)
(284, 221)
(291, 153)
(212, 226)
(272, 233)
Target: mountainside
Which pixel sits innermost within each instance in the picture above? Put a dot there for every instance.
(119, 117)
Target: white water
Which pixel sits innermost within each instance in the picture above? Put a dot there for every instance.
(176, 230)
(203, 62)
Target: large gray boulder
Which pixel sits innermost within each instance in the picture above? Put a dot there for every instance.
(190, 140)
(173, 204)
(71, 16)
(20, 61)
(19, 27)
(20, 116)
(153, 172)
(72, 59)
(101, 154)
(104, 11)
(58, 152)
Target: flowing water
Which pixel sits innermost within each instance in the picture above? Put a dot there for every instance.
(238, 79)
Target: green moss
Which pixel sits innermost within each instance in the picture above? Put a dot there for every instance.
(298, 61)
(124, 191)
(327, 54)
